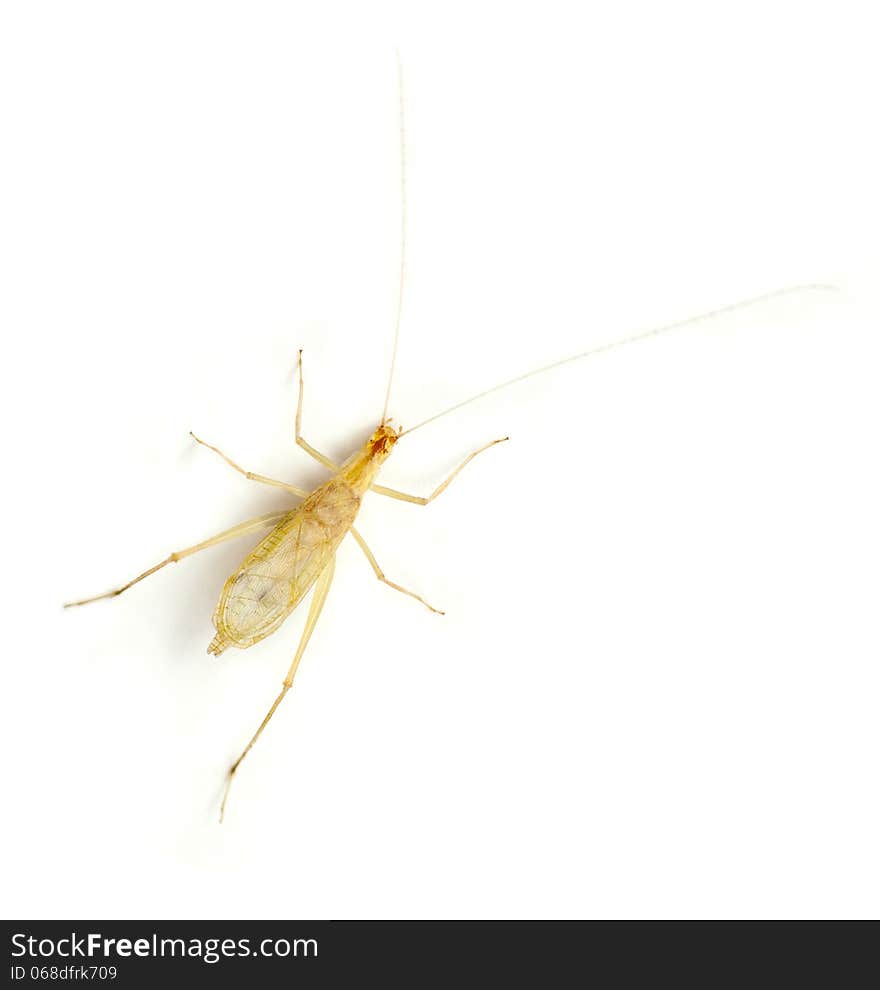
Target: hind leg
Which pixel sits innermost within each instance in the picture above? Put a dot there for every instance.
(259, 522)
(322, 586)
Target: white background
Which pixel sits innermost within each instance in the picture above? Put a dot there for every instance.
(655, 691)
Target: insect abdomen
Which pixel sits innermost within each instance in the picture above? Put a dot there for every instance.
(281, 568)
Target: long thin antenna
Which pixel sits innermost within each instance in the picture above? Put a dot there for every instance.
(601, 349)
(402, 234)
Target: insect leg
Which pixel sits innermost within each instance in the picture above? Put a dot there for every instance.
(322, 586)
(300, 439)
(421, 499)
(381, 576)
(244, 527)
(301, 492)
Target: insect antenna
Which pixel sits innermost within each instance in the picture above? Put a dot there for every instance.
(602, 348)
(402, 234)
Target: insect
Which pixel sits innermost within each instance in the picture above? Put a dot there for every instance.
(299, 551)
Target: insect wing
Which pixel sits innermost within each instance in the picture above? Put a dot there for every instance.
(274, 577)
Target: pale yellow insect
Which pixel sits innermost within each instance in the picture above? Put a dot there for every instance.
(299, 553)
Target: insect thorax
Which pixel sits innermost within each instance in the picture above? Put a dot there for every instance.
(362, 467)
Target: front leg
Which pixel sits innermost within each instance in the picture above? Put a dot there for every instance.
(300, 439)
(422, 499)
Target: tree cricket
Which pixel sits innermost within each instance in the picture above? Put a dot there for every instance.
(299, 552)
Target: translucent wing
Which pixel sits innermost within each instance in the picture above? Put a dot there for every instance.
(281, 568)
